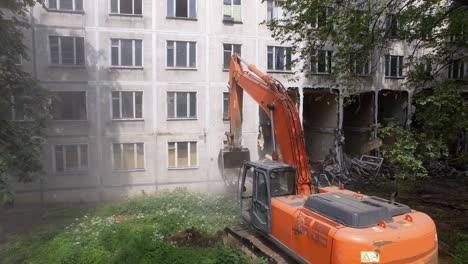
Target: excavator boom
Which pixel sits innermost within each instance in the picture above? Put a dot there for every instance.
(272, 97)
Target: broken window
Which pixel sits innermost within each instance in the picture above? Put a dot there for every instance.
(232, 10)
(182, 8)
(66, 5)
(321, 62)
(226, 115)
(228, 51)
(393, 66)
(69, 105)
(181, 54)
(67, 50)
(456, 70)
(359, 65)
(127, 7)
(126, 52)
(127, 105)
(276, 12)
(71, 158)
(279, 58)
(181, 105)
(128, 156)
(182, 155)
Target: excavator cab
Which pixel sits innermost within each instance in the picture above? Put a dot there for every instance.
(261, 181)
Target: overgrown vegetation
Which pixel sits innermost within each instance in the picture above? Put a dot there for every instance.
(440, 120)
(23, 103)
(360, 34)
(143, 230)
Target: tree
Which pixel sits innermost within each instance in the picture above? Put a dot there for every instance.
(23, 104)
(362, 32)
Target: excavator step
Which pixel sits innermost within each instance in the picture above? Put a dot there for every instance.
(254, 244)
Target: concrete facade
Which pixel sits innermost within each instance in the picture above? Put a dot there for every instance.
(321, 109)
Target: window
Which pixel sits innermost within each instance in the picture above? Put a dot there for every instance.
(66, 5)
(393, 66)
(181, 54)
(232, 10)
(126, 52)
(228, 51)
(128, 156)
(20, 110)
(391, 25)
(126, 7)
(71, 158)
(67, 50)
(279, 58)
(282, 183)
(69, 105)
(182, 155)
(320, 18)
(359, 65)
(127, 105)
(181, 105)
(182, 8)
(321, 62)
(456, 70)
(226, 115)
(276, 12)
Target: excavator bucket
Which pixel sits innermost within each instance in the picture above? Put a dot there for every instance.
(230, 162)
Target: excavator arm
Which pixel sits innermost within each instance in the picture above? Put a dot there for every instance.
(272, 97)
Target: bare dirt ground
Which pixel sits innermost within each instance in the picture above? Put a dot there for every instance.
(27, 219)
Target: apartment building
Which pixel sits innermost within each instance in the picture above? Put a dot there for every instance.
(140, 94)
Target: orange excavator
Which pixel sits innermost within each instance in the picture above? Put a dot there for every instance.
(309, 222)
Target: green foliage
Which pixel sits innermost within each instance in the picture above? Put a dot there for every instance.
(401, 151)
(140, 236)
(461, 249)
(364, 29)
(20, 142)
(442, 114)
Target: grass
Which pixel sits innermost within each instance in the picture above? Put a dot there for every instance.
(136, 231)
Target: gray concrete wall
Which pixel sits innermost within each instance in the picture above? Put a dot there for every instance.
(100, 182)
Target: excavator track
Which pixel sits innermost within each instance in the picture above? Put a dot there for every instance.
(254, 244)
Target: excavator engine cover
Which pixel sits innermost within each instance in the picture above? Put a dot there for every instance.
(354, 211)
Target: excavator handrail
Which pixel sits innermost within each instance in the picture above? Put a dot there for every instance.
(272, 97)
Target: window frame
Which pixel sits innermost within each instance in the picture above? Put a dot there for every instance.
(73, 120)
(81, 169)
(400, 58)
(60, 57)
(286, 49)
(175, 118)
(175, 67)
(232, 11)
(228, 116)
(462, 71)
(189, 167)
(328, 63)
(135, 156)
(188, 17)
(121, 109)
(13, 112)
(133, 66)
(367, 70)
(232, 52)
(275, 6)
(73, 10)
(125, 14)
